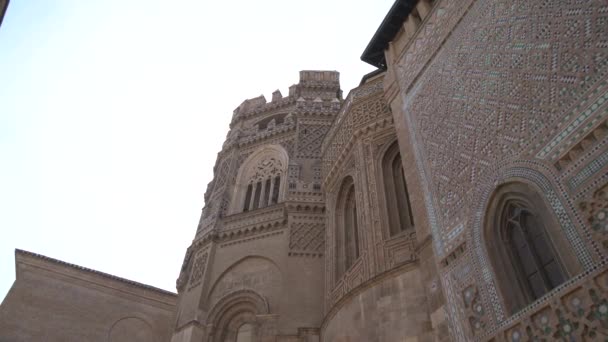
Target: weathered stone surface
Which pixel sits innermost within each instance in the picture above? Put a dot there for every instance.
(55, 301)
(388, 309)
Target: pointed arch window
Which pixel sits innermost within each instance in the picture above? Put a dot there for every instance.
(351, 228)
(524, 244)
(530, 250)
(347, 228)
(397, 199)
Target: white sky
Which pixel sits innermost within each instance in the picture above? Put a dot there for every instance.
(112, 113)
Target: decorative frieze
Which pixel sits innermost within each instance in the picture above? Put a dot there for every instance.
(257, 218)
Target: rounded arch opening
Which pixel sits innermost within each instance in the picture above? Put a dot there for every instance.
(235, 310)
(245, 333)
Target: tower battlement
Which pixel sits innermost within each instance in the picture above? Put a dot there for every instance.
(314, 85)
(319, 77)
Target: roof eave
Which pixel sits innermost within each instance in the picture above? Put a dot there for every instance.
(374, 52)
(3, 11)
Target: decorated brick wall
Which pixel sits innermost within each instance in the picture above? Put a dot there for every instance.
(501, 91)
(361, 132)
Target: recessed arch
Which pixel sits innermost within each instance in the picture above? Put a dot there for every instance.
(542, 179)
(522, 246)
(246, 298)
(250, 273)
(245, 333)
(234, 310)
(393, 192)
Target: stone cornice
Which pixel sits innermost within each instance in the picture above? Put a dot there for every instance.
(305, 196)
(307, 207)
(250, 237)
(305, 254)
(255, 219)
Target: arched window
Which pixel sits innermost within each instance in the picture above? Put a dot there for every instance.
(530, 250)
(395, 190)
(260, 180)
(351, 228)
(347, 229)
(522, 246)
(245, 333)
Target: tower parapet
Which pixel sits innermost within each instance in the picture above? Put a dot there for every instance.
(313, 85)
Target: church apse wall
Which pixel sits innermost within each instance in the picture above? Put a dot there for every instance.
(374, 286)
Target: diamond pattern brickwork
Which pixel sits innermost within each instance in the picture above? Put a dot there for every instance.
(498, 89)
(307, 236)
(310, 139)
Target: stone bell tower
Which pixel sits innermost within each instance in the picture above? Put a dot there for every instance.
(255, 269)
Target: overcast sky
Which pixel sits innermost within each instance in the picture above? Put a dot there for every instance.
(112, 113)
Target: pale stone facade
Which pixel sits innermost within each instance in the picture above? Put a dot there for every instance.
(460, 193)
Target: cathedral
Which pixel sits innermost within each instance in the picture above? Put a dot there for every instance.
(459, 193)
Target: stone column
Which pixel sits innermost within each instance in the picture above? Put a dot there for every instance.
(252, 198)
(261, 203)
(271, 191)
